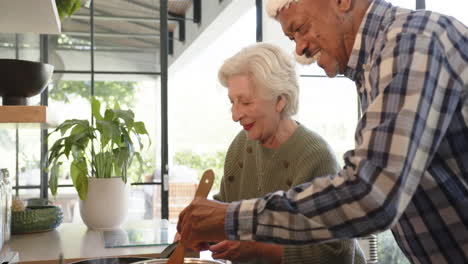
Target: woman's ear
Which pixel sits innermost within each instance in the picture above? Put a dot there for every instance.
(280, 103)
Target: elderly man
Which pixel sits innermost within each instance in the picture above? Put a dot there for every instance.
(409, 170)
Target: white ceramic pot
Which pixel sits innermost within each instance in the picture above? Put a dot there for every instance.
(106, 204)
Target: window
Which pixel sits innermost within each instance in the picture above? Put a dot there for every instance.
(120, 65)
(200, 124)
(453, 8)
(329, 107)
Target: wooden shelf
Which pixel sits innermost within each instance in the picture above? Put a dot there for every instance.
(29, 16)
(26, 116)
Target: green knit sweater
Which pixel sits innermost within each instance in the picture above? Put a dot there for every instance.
(251, 170)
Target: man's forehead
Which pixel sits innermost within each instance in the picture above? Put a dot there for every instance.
(274, 6)
(285, 17)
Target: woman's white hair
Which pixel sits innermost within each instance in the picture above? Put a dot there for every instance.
(274, 6)
(268, 67)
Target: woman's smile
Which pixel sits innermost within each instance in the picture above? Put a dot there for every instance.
(247, 127)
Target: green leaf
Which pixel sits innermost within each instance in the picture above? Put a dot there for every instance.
(76, 6)
(140, 128)
(106, 131)
(117, 105)
(96, 108)
(67, 124)
(104, 162)
(102, 149)
(79, 140)
(127, 115)
(122, 157)
(109, 115)
(79, 172)
(53, 178)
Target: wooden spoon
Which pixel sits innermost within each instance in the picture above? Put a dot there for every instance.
(203, 189)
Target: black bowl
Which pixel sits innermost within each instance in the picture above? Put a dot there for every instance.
(20, 79)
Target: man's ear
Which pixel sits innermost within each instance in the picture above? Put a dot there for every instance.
(344, 5)
(280, 103)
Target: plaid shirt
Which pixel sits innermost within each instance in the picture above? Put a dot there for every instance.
(409, 170)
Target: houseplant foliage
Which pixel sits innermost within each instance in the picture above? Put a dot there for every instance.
(104, 149)
(67, 7)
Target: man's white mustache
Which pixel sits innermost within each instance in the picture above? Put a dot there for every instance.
(304, 60)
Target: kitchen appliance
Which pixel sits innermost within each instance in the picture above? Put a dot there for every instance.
(20, 79)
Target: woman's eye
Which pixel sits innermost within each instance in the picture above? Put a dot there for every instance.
(299, 28)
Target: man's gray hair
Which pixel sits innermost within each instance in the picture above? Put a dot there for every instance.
(268, 67)
(274, 6)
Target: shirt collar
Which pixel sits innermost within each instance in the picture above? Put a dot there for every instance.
(366, 37)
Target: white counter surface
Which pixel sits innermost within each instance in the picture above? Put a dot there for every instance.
(76, 242)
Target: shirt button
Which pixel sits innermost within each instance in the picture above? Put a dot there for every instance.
(289, 183)
(240, 164)
(286, 164)
(249, 149)
(231, 178)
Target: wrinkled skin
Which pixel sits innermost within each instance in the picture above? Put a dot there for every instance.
(247, 251)
(327, 27)
(201, 222)
(252, 108)
(235, 250)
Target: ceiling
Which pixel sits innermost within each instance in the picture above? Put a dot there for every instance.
(124, 24)
(126, 36)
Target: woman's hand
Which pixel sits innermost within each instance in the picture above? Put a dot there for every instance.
(200, 247)
(247, 250)
(235, 250)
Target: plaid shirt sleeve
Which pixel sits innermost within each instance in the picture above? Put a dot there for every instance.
(411, 104)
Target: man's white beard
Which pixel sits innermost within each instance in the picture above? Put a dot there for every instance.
(304, 60)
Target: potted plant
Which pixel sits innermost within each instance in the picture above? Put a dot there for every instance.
(100, 154)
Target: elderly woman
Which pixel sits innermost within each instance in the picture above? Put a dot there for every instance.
(272, 152)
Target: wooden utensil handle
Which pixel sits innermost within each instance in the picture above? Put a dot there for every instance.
(206, 182)
(203, 189)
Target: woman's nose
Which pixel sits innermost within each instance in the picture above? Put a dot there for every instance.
(236, 113)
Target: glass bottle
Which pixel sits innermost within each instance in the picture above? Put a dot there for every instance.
(2, 208)
(8, 200)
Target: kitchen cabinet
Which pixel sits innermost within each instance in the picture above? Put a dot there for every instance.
(76, 242)
(29, 16)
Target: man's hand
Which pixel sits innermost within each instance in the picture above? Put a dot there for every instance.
(201, 222)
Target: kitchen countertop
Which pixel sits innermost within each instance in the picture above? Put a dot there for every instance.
(77, 242)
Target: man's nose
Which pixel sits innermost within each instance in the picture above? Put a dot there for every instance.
(301, 48)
